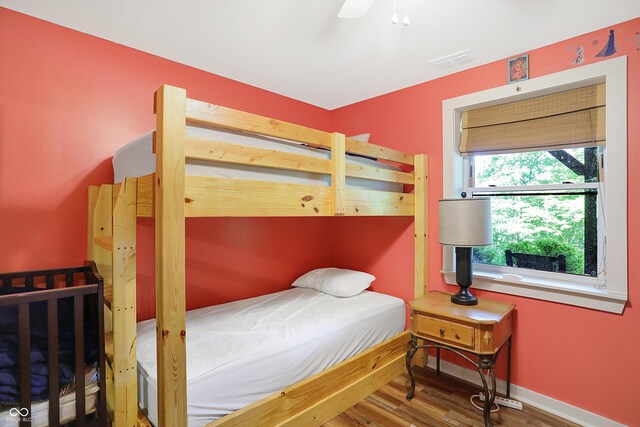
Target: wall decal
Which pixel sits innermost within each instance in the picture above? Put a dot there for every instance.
(579, 59)
(610, 48)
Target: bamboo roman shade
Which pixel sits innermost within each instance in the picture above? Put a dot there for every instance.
(570, 119)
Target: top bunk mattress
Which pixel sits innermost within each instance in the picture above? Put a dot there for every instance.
(137, 159)
(243, 351)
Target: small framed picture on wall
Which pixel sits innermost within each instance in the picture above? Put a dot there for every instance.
(519, 69)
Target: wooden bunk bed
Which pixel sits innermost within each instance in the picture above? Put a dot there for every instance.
(170, 195)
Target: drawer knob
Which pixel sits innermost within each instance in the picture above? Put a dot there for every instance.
(441, 331)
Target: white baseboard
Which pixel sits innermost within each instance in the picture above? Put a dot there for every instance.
(528, 397)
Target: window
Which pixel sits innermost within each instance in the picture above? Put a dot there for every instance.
(544, 210)
(558, 208)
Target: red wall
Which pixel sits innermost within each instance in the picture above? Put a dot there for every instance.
(67, 102)
(583, 357)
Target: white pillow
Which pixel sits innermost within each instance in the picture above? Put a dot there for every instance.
(335, 281)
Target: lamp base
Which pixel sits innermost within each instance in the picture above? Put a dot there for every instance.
(464, 297)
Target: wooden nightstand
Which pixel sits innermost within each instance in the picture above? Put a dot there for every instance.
(480, 329)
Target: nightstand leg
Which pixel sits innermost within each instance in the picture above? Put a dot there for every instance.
(438, 360)
(509, 367)
(486, 363)
(413, 347)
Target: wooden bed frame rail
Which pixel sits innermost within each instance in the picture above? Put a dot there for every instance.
(170, 196)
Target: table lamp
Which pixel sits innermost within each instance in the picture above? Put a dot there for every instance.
(465, 223)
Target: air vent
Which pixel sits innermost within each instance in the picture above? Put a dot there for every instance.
(452, 59)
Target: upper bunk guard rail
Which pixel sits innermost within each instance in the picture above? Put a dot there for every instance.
(210, 115)
(209, 196)
(217, 151)
(79, 282)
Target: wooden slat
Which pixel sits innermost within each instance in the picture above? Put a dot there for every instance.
(246, 198)
(108, 346)
(338, 178)
(78, 344)
(202, 113)
(378, 174)
(105, 242)
(143, 421)
(144, 200)
(206, 196)
(114, 194)
(101, 227)
(324, 395)
(346, 397)
(108, 316)
(123, 305)
(54, 380)
(420, 224)
(373, 203)
(372, 150)
(170, 256)
(24, 351)
(108, 301)
(207, 149)
(110, 395)
(210, 150)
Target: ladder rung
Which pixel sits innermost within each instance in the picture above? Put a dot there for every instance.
(104, 242)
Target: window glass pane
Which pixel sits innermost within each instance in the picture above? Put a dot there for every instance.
(539, 228)
(537, 167)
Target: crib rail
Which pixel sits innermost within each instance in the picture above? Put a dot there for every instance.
(52, 286)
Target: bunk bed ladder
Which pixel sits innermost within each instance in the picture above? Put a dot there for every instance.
(112, 245)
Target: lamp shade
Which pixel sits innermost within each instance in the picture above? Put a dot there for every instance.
(465, 222)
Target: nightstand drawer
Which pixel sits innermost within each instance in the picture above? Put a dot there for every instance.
(443, 331)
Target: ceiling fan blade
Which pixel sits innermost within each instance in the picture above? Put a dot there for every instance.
(354, 8)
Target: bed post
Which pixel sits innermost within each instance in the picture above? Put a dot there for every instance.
(111, 243)
(338, 177)
(170, 104)
(421, 224)
(123, 306)
(99, 235)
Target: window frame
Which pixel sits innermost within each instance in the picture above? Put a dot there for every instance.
(538, 285)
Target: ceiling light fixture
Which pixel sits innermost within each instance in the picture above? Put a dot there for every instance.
(394, 18)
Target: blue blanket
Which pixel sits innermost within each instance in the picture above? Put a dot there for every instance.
(9, 348)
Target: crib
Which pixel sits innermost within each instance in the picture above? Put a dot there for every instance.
(51, 325)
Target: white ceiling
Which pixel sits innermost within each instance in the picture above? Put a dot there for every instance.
(300, 49)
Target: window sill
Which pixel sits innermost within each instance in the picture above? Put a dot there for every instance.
(562, 292)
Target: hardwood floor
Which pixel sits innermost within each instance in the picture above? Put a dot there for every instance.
(439, 401)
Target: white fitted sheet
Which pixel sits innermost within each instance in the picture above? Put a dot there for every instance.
(243, 351)
(137, 159)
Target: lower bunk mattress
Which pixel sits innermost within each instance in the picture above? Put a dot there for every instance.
(243, 351)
